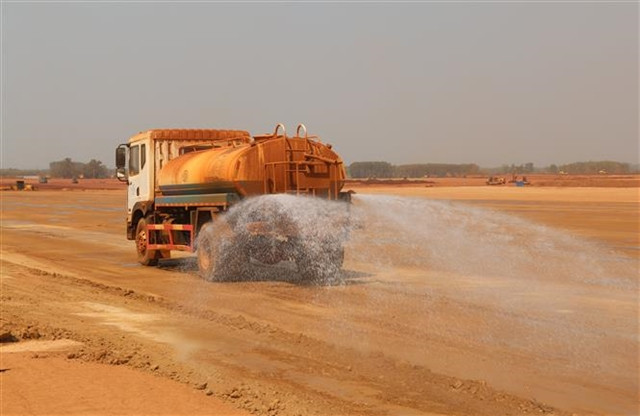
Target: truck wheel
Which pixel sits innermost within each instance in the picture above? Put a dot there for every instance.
(233, 260)
(322, 267)
(207, 252)
(221, 255)
(145, 257)
(337, 257)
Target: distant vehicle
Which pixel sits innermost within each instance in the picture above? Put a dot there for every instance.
(22, 186)
(495, 180)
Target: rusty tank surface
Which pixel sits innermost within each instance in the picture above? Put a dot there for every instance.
(249, 166)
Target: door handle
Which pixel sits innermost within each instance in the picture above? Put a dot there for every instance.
(137, 191)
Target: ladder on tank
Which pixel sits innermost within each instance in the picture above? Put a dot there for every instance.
(296, 170)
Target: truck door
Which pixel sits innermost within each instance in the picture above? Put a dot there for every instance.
(139, 175)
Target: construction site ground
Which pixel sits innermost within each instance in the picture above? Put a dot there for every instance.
(96, 333)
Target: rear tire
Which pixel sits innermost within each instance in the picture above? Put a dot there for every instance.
(321, 267)
(206, 256)
(221, 255)
(145, 257)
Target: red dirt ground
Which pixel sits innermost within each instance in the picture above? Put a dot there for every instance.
(394, 340)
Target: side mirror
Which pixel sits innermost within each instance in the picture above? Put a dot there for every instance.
(121, 163)
(121, 157)
(121, 175)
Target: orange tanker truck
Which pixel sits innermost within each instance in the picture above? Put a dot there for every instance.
(181, 181)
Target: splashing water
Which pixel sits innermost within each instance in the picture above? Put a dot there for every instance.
(568, 304)
(390, 231)
(274, 228)
(453, 237)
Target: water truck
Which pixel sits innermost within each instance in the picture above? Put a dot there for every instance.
(181, 182)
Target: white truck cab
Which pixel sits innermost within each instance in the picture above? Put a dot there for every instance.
(138, 172)
(140, 160)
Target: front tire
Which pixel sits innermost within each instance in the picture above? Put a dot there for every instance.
(146, 257)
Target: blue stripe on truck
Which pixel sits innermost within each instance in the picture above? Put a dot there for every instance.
(198, 188)
(197, 200)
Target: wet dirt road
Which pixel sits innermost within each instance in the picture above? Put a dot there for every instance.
(398, 337)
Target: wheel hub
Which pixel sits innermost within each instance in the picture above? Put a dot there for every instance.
(142, 242)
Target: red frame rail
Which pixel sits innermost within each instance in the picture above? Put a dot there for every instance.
(170, 228)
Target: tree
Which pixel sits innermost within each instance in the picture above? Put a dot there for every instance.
(67, 168)
(64, 169)
(94, 169)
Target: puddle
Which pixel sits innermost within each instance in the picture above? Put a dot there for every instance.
(40, 346)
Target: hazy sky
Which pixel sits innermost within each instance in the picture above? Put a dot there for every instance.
(490, 83)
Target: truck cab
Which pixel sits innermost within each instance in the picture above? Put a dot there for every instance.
(137, 171)
(139, 161)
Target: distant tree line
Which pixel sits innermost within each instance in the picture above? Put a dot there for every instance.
(371, 170)
(517, 169)
(418, 170)
(587, 168)
(67, 168)
(381, 169)
(12, 172)
(579, 168)
(435, 169)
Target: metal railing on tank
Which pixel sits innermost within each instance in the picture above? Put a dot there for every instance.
(295, 173)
